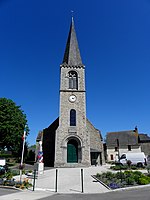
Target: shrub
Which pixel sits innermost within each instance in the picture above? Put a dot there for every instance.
(109, 175)
(119, 167)
(122, 179)
(26, 183)
(133, 167)
(143, 181)
(15, 172)
(5, 155)
(120, 175)
(130, 181)
(148, 168)
(8, 175)
(137, 173)
(98, 175)
(128, 173)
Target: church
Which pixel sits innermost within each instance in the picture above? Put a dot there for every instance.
(71, 140)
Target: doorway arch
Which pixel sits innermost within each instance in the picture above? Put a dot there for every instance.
(72, 151)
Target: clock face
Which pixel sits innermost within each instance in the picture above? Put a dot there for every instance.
(72, 98)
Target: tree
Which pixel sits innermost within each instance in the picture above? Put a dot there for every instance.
(12, 125)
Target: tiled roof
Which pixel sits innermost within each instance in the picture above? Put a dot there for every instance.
(124, 138)
(144, 137)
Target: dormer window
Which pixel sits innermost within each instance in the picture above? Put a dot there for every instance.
(73, 80)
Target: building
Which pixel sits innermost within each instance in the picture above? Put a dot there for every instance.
(144, 141)
(71, 140)
(121, 142)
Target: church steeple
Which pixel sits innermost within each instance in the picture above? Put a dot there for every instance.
(72, 53)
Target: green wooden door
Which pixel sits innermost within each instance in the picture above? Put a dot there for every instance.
(72, 156)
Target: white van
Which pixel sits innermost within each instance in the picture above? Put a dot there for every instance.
(138, 159)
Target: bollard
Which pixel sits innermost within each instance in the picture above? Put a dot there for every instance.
(34, 179)
(56, 180)
(82, 180)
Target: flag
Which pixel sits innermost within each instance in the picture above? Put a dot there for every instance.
(24, 136)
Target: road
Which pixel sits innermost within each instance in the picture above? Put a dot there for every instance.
(134, 194)
(4, 191)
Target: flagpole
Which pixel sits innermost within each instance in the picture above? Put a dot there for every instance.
(21, 164)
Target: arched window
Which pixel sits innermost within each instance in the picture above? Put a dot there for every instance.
(72, 117)
(73, 80)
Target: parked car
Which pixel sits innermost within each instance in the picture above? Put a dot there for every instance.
(138, 159)
(2, 170)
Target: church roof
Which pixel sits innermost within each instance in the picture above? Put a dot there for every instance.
(72, 53)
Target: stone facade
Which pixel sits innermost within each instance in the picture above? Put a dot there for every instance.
(96, 144)
(71, 140)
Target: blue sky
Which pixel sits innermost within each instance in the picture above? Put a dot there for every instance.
(114, 41)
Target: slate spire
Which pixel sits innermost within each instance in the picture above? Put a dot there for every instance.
(72, 53)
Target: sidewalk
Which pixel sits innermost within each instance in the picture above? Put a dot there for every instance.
(69, 180)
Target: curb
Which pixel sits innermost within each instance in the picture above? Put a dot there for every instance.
(10, 187)
(101, 182)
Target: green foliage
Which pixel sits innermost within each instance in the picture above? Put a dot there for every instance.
(109, 175)
(133, 167)
(8, 175)
(123, 167)
(119, 167)
(15, 172)
(137, 173)
(26, 183)
(12, 125)
(30, 156)
(5, 155)
(143, 181)
(123, 179)
(148, 168)
(120, 175)
(130, 181)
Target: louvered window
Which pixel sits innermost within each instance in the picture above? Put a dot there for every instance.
(73, 80)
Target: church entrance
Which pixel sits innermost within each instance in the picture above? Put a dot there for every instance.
(72, 151)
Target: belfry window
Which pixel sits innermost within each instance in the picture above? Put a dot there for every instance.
(72, 117)
(73, 80)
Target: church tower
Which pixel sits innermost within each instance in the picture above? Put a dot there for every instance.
(72, 143)
(71, 140)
